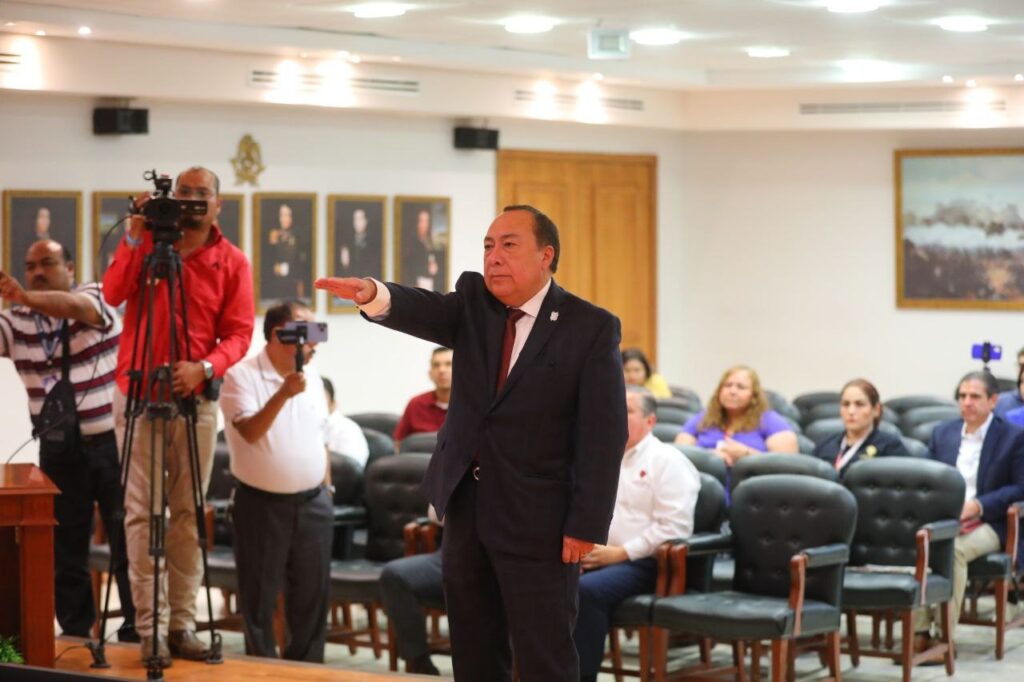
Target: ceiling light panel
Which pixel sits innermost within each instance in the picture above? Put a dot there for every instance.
(963, 24)
(529, 24)
(656, 36)
(767, 52)
(852, 6)
(379, 10)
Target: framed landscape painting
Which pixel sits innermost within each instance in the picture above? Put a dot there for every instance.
(960, 228)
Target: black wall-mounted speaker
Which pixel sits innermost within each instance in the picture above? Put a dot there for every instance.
(475, 138)
(120, 121)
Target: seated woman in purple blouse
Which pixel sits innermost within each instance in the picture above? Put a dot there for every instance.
(737, 421)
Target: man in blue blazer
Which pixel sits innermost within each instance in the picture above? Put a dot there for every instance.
(526, 466)
(989, 453)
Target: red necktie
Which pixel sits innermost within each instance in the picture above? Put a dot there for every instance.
(506, 345)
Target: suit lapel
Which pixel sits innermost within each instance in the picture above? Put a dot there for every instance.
(494, 334)
(988, 448)
(543, 327)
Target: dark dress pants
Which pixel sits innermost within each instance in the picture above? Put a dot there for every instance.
(88, 472)
(283, 542)
(493, 597)
(600, 592)
(407, 585)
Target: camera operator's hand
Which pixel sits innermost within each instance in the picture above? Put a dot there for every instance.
(186, 376)
(11, 290)
(354, 289)
(137, 222)
(294, 384)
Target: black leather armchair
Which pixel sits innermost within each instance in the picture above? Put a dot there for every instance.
(385, 422)
(916, 416)
(670, 414)
(901, 557)
(807, 401)
(790, 538)
(688, 395)
(908, 402)
(393, 499)
(380, 444)
(666, 433)
(423, 443)
(706, 461)
(635, 612)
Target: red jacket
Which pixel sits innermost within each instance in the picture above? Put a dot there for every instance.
(218, 292)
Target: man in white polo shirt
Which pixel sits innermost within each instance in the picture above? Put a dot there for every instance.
(274, 421)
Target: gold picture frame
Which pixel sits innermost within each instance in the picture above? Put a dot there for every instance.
(108, 208)
(58, 213)
(232, 218)
(423, 262)
(280, 249)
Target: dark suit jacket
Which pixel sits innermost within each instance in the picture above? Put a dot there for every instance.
(885, 444)
(550, 443)
(1000, 469)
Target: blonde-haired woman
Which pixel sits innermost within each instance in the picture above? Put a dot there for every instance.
(738, 421)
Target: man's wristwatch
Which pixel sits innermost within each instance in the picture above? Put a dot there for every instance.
(207, 369)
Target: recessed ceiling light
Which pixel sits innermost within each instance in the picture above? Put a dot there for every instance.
(947, 79)
(10, 23)
(378, 10)
(767, 52)
(852, 6)
(1019, 77)
(84, 31)
(40, 33)
(529, 24)
(598, 76)
(656, 36)
(963, 24)
(971, 83)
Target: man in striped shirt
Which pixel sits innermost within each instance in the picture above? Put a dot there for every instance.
(85, 466)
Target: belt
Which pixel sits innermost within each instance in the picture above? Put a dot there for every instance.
(301, 496)
(104, 435)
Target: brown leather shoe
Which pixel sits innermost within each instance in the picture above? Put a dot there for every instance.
(185, 644)
(163, 653)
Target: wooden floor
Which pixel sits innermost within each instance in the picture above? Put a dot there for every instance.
(125, 663)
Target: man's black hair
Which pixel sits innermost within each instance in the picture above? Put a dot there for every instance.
(280, 313)
(544, 230)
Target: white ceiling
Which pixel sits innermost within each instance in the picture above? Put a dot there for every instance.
(469, 36)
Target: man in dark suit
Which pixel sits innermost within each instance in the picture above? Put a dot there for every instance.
(989, 453)
(527, 463)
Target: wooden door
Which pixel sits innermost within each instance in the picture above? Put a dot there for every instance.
(604, 207)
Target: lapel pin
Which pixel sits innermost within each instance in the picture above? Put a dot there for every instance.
(554, 316)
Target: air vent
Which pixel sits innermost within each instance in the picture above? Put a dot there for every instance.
(311, 82)
(570, 101)
(9, 61)
(938, 107)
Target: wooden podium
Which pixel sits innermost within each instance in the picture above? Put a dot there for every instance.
(26, 560)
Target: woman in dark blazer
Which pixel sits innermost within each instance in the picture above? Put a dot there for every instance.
(861, 411)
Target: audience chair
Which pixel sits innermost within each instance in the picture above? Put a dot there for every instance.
(903, 403)
(706, 461)
(997, 573)
(790, 536)
(793, 424)
(380, 445)
(634, 613)
(688, 394)
(805, 444)
(385, 422)
(393, 499)
(805, 402)
(901, 557)
(829, 410)
(821, 429)
(423, 443)
(923, 415)
(915, 447)
(690, 404)
(923, 432)
(670, 414)
(666, 433)
(783, 406)
(349, 511)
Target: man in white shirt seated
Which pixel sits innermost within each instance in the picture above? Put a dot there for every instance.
(657, 494)
(343, 435)
(283, 513)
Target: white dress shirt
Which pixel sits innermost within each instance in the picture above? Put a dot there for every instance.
(290, 457)
(658, 487)
(380, 306)
(344, 437)
(969, 457)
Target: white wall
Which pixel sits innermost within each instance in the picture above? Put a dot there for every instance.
(47, 143)
(787, 262)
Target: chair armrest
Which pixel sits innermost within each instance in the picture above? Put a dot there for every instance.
(679, 550)
(827, 555)
(797, 584)
(705, 543)
(1013, 514)
(946, 529)
(349, 515)
(220, 508)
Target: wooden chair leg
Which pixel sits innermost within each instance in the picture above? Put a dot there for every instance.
(280, 634)
(1002, 593)
(780, 659)
(791, 663)
(705, 651)
(346, 618)
(739, 656)
(832, 652)
(907, 644)
(644, 655)
(659, 649)
(616, 652)
(876, 630)
(947, 637)
(392, 648)
(375, 642)
(890, 618)
(852, 642)
(755, 661)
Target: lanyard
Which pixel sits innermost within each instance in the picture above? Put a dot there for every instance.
(48, 338)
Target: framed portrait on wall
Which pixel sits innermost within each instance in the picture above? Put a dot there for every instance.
(31, 215)
(109, 222)
(355, 241)
(284, 247)
(960, 228)
(422, 242)
(232, 218)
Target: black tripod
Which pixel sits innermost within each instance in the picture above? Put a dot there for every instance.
(151, 397)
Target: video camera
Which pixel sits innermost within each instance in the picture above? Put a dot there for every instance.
(163, 212)
(301, 333)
